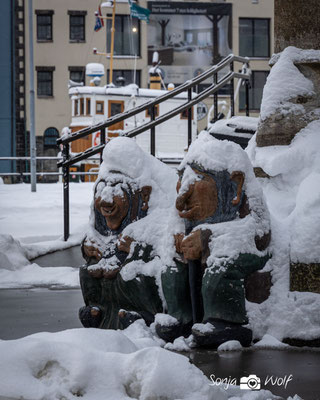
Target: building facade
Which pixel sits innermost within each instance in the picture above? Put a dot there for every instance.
(64, 38)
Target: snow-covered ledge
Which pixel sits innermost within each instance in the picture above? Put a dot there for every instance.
(291, 96)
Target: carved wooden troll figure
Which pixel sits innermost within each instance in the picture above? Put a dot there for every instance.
(227, 233)
(119, 281)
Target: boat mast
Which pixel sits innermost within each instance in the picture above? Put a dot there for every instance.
(113, 18)
(112, 41)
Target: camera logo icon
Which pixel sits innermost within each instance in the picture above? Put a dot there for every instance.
(251, 382)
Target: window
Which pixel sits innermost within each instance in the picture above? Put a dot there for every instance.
(127, 36)
(82, 106)
(50, 137)
(99, 107)
(88, 101)
(184, 114)
(77, 26)
(44, 25)
(254, 37)
(122, 77)
(257, 82)
(77, 74)
(148, 111)
(45, 81)
(76, 105)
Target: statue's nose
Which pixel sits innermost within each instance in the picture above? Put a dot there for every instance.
(181, 199)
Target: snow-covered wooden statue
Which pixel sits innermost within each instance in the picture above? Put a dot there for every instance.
(226, 238)
(120, 282)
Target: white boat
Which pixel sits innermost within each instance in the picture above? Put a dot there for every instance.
(94, 104)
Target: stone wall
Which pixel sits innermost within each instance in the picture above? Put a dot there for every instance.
(296, 23)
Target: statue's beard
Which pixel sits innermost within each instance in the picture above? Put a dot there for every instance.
(134, 213)
(226, 192)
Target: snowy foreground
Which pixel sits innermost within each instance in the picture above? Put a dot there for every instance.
(90, 363)
(105, 364)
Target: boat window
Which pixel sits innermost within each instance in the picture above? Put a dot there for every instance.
(99, 107)
(88, 106)
(127, 75)
(82, 106)
(75, 111)
(184, 114)
(156, 111)
(115, 107)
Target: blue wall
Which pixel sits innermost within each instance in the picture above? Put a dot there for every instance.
(7, 117)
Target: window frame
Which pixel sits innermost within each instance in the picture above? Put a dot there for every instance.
(251, 109)
(157, 111)
(101, 102)
(253, 36)
(81, 106)
(122, 17)
(182, 116)
(46, 142)
(76, 107)
(49, 70)
(72, 69)
(88, 106)
(122, 72)
(48, 13)
(77, 13)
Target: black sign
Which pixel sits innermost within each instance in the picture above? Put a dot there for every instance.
(168, 7)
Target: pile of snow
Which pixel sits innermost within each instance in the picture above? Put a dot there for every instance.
(230, 125)
(285, 82)
(99, 364)
(231, 345)
(293, 193)
(270, 342)
(36, 217)
(293, 197)
(106, 364)
(32, 225)
(16, 271)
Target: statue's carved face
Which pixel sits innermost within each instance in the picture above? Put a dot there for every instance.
(114, 212)
(115, 207)
(200, 200)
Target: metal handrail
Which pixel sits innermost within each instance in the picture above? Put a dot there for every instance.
(149, 125)
(191, 101)
(130, 113)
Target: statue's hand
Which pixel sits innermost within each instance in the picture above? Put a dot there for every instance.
(191, 246)
(124, 243)
(178, 238)
(90, 250)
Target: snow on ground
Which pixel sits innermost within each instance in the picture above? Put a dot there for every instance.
(31, 224)
(99, 364)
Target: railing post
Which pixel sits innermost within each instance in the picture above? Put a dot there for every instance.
(189, 118)
(232, 91)
(215, 98)
(102, 140)
(153, 133)
(247, 84)
(66, 219)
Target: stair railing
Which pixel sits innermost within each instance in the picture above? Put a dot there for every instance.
(192, 100)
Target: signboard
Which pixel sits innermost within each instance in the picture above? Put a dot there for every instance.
(189, 37)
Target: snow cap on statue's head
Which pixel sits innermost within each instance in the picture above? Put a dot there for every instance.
(122, 155)
(217, 155)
